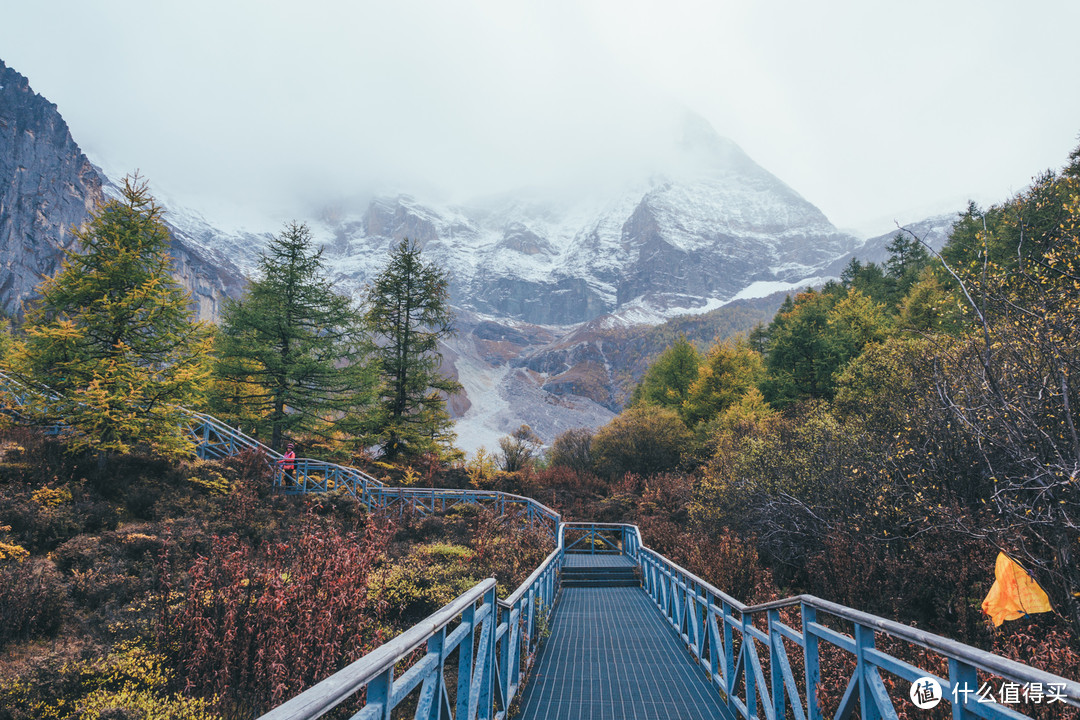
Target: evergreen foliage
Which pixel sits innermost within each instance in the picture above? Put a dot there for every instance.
(667, 381)
(6, 340)
(409, 312)
(113, 334)
(907, 258)
(812, 341)
(292, 353)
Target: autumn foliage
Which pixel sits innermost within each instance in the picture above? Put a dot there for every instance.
(254, 627)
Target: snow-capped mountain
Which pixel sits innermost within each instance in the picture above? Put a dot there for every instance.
(682, 237)
(555, 289)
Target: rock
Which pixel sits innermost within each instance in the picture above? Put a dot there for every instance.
(48, 187)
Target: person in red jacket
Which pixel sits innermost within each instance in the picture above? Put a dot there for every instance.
(288, 464)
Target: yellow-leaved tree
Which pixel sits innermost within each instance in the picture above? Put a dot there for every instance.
(113, 336)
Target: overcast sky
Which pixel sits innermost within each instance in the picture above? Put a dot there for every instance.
(871, 110)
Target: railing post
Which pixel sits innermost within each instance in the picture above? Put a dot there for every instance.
(864, 640)
(776, 672)
(378, 693)
(465, 663)
(729, 655)
(810, 661)
(485, 698)
(530, 620)
(749, 681)
(715, 644)
(435, 645)
(965, 682)
(508, 667)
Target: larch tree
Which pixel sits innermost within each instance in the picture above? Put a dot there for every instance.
(409, 312)
(667, 381)
(292, 352)
(114, 335)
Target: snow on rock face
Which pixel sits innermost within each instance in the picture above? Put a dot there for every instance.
(690, 234)
(538, 277)
(705, 228)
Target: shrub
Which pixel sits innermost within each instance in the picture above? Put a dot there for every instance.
(427, 578)
(128, 683)
(645, 440)
(256, 626)
(518, 449)
(33, 599)
(572, 449)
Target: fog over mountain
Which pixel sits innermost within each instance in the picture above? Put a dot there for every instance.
(582, 170)
(546, 283)
(254, 109)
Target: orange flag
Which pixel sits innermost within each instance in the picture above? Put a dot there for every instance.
(1014, 594)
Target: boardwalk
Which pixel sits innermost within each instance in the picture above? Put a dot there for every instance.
(611, 653)
(612, 657)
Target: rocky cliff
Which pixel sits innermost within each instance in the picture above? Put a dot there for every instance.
(562, 297)
(48, 187)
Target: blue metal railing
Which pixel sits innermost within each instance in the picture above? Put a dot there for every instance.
(710, 622)
(474, 642)
(722, 634)
(21, 403)
(490, 665)
(602, 539)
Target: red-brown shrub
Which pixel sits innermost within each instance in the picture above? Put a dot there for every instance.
(255, 626)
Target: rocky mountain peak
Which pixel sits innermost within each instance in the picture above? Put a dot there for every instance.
(47, 187)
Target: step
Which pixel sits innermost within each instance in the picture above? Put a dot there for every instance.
(624, 576)
(599, 570)
(606, 582)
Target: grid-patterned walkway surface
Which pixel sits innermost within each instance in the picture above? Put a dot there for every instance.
(591, 560)
(611, 657)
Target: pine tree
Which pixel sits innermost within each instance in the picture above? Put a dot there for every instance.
(907, 258)
(292, 354)
(113, 334)
(408, 310)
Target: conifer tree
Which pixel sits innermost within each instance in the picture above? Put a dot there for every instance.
(668, 379)
(114, 335)
(408, 310)
(728, 371)
(292, 354)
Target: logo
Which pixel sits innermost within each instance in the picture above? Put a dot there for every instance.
(925, 693)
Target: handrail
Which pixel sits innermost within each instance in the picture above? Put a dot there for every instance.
(323, 697)
(704, 616)
(509, 629)
(986, 661)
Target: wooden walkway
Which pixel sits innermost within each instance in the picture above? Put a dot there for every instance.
(611, 656)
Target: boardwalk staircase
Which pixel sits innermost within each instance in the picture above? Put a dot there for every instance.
(630, 634)
(609, 576)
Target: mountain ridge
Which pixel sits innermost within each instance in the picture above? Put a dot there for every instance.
(555, 291)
